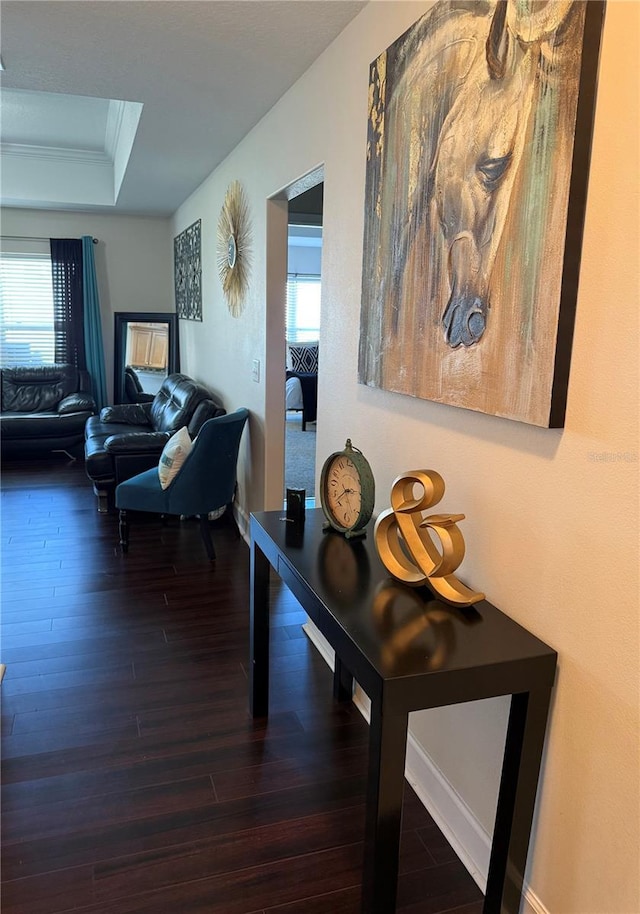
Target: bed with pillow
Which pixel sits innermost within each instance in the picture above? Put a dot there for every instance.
(301, 385)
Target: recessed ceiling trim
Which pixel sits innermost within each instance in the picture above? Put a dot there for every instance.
(114, 126)
(55, 153)
(196, 57)
(122, 125)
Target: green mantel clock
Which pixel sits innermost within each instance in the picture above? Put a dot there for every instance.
(347, 491)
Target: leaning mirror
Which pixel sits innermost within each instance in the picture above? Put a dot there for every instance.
(145, 351)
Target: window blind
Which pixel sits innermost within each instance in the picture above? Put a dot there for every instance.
(303, 308)
(26, 310)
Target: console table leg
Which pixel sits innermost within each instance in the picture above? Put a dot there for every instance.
(516, 801)
(385, 787)
(342, 681)
(259, 634)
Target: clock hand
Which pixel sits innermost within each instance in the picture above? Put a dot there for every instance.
(349, 492)
(346, 491)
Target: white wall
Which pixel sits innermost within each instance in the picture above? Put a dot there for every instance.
(134, 260)
(552, 515)
(304, 257)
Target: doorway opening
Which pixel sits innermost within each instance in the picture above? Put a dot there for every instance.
(302, 339)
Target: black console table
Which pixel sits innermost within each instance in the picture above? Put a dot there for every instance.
(408, 651)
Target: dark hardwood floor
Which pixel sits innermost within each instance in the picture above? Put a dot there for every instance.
(133, 778)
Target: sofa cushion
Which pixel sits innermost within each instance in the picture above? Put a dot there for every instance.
(205, 410)
(137, 414)
(42, 426)
(100, 431)
(175, 402)
(303, 357)
(174, 454)
(76, 403)
(136, 443)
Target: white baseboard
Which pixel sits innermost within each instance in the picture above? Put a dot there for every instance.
(320, 643)
(451, 814)
(532, 904)
(242, 520)
(444, 804)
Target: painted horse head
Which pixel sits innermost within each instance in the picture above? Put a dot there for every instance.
(485, 62)
(478, 156)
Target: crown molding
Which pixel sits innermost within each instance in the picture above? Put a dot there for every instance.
(55, 154)
(115, 118)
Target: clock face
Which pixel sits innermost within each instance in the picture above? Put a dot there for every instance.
(343, 491)
(347, 492)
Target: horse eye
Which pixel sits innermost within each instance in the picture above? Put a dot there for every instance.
(492, 170)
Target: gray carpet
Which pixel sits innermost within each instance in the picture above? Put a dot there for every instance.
(300, 454)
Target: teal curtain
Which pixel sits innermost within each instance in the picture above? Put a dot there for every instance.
(93, 324)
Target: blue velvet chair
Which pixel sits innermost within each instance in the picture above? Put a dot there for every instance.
(205, 482)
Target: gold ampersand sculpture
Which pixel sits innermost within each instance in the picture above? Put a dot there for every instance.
(405, 545)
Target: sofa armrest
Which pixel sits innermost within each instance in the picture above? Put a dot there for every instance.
(136, 443)
(128, 413)
(76, 403)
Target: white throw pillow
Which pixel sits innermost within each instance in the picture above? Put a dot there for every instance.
(175, 452)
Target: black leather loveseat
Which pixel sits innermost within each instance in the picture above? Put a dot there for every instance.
(127, 439)
(44, 409)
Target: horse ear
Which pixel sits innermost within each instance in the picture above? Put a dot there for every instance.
(498, 42)
(532, 23)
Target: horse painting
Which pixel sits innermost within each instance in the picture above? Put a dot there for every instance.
(475, 116)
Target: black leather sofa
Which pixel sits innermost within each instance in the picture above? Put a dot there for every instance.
(44, 409)
(133, 392)
(127, 439)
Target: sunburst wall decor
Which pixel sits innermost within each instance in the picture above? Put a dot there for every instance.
(233, 250)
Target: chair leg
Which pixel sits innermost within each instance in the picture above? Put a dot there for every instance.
(205, 530)
(232, 518)
(124, 531)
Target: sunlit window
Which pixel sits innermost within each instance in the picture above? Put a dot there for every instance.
(26, 310)
(303, 307)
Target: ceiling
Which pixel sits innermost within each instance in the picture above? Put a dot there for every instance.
(144, 98)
